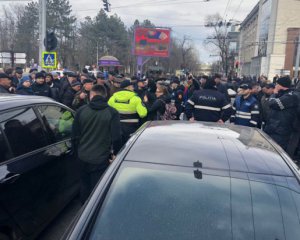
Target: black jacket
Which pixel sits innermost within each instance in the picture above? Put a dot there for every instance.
(208, 105)
(283, 113)
(222, 88)
(41, 89)
(177, 96)
(96, 130)
(68, 97)
(265, 108)
(24, 91)
(158, 108)
(3, 90)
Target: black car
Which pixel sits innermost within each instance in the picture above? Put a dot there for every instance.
(38, 172)
(181, 180)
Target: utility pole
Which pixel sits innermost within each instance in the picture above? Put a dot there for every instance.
(297, 59)
(42, 28)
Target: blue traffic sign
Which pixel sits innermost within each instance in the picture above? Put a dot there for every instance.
(49, 60)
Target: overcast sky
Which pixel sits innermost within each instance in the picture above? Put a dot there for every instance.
(171, 13)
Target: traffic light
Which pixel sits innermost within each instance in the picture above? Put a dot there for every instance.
(106, 5)
(50, 42)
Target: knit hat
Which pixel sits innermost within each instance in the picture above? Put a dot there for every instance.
(39, 75)
(284, 82)
(24, 79)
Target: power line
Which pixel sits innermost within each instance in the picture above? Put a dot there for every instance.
(237, 9)
(224, 16)
(161, 3)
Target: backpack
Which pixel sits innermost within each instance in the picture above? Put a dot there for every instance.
(170, 112)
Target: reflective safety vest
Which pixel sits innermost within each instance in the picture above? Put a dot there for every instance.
(129, 106)
(246, 112)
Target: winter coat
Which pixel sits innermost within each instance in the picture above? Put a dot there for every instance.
(177, 96)
(245, 112)
(41, 89)
(208, 105)
(68, 97)
(282, 115)
(78, 102)
(24, 91)
(265, 108)
(3, 90)
(96, 129)
(158, 108)
(54, 92)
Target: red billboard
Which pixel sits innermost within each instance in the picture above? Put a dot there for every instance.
(153, 42)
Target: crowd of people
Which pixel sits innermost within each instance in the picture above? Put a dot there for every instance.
(111, 107)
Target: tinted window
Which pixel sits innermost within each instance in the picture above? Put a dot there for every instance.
(5, 154)
(162, 203)
(58, 121)
(23, 130)
(154, 204)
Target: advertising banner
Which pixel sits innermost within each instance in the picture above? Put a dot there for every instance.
(152, 42)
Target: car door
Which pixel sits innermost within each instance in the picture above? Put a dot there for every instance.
(58, 121)
(26, 186)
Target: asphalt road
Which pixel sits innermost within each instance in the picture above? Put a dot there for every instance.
(59, 225)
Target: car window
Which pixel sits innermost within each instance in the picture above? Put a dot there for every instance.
(167, 204)
(23, 130)
(58, 121)
(5, 153)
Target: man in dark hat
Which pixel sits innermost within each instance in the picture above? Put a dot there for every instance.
(245, 107)
(18, 73)
(140, 87)
(221, 87)
(82, 97)
(283, 104)
(5, 83)
(66, 81)
(70, 93)
(208, 105)
(115, 87)
(40, 87)
(130, 107)
(100, 80)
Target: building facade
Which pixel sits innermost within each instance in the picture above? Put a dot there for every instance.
(268, 39)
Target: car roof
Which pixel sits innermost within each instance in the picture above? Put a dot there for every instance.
(208, 145)
(8, 101)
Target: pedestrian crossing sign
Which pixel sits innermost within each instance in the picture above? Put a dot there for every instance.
(49, 60)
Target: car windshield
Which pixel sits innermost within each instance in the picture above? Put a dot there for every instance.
(177, 203)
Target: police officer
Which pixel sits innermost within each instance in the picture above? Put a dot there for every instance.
(208, 104)
(130, 107)
(245, 108)
(283, 104)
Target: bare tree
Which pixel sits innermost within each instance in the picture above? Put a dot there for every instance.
(218, 39)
